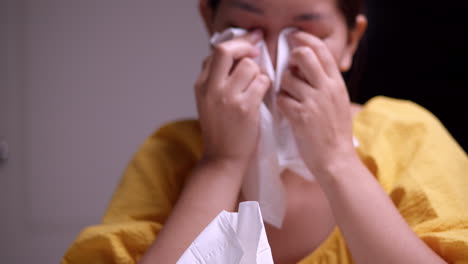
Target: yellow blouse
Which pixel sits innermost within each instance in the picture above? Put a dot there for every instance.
(417, 162)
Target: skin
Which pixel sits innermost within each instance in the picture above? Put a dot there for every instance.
(229, 92)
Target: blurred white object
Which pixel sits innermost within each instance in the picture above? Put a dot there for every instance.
(232, 238)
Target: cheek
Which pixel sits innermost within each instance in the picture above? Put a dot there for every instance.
(334, 49)
(337, 48)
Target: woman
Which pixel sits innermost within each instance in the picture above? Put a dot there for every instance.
(398, 198)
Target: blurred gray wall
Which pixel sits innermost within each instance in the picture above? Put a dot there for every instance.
(83, 84)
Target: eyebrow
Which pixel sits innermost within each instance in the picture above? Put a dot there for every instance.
(246, 7)
(309, 17)
(256, 10)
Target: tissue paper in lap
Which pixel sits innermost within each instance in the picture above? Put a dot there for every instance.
(276, 150)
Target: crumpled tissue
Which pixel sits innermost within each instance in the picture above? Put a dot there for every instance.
(232, 238)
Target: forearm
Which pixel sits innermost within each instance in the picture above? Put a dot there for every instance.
(374, 230)
(211, 188)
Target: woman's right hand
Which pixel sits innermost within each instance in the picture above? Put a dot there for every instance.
(229, 92)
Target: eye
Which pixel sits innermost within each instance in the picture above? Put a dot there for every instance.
(234, 25)
(319, 30)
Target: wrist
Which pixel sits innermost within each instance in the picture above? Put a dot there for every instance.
(341, 168)
(227, 170)
(218, 181)
(225, 163)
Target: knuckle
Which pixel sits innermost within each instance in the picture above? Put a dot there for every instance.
(243, 108)
(321, 47)
(198, 86)
(315, 41)
(249, 65)
(226, 101)
(302, 116)
(302, 52)
(222, 50)
(220, 102)
(324, 52)
(334, 86)
(265, 81)
(286, 78)
(328, 94)
(211, 91)
(260, 84)
(206, 62)
(236, 104)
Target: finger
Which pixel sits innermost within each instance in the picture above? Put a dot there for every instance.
(308, 64)
(257, 89)
(206, 67)
(321, 50)
(288, 106)
(295, 87)
(199, 85)
(226, 53)
(253, 36)
(244, 73)
(205, 62)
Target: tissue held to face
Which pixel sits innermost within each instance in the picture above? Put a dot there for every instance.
(335, 22)
(231, 86)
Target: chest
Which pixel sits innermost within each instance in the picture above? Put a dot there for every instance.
(308, 221)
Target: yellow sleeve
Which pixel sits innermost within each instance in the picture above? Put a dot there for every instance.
(143, 200)
(422, 168)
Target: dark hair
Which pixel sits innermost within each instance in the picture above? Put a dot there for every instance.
(349, 8)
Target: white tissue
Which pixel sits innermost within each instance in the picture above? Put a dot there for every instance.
(277, 148)
(232, 238)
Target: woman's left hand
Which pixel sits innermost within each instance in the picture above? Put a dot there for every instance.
(315, 100)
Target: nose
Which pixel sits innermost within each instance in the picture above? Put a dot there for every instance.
(271, 41)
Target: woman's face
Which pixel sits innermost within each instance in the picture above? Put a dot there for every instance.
(321, 18)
